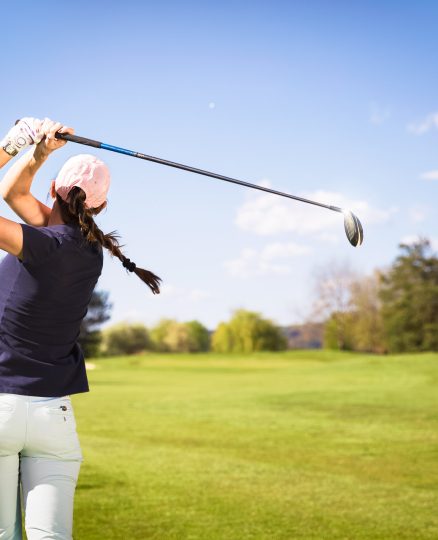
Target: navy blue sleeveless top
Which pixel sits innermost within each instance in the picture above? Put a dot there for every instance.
(43, 299)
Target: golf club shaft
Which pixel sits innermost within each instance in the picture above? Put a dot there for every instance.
(104, 146)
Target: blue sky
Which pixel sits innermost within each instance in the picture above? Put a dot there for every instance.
(327, 99)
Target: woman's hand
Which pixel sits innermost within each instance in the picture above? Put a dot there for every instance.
(24, 133)
(49, 142)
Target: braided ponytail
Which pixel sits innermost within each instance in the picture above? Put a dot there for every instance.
(75, 211)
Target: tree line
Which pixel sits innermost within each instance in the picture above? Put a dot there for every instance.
(245, 332)
(392, 310)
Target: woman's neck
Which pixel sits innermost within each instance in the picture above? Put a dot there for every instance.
(55, 216)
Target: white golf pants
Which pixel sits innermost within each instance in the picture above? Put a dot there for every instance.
(39, 450)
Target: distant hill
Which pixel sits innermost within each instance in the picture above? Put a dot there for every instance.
(304, 336)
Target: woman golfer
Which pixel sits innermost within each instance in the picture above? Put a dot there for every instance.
(46, 281)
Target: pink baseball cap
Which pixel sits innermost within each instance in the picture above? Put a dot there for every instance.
(87, 172)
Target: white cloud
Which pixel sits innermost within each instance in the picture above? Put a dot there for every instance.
(131, 316)
(199, 294)
(264, 182)
(412, 238)
(378, 114)
(328, 238)
(271, 260)
(268, 215)
(409, 239)
(279, 250)
(417, 214)
(425, 125)
(181, 293)
(430, 175)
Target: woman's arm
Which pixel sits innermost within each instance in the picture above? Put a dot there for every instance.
(18, 182)
(20, 136)
(11, 237)
(4, 158)
(15, 190)
(15, 187)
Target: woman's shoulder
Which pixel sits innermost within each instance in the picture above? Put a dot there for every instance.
(63, 229)
(57, 232)
(41, 242)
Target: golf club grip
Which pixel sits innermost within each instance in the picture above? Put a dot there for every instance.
(79, 140)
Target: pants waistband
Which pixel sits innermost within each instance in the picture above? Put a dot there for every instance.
(33, 399)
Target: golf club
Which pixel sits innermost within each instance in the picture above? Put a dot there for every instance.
(352, 225)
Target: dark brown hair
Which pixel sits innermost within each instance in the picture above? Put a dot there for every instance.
(75, 211)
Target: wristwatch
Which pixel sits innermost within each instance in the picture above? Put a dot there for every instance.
(10, 149)
(14, 144)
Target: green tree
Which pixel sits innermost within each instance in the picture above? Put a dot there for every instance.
(222, 339)
(409, 298)
(170, 335)
(158, 335)
(90, 335)
(177, 338)
(365, 321)
(332, 304)
(199, 336)
(338, 332)
(125, 338)
(248, 332)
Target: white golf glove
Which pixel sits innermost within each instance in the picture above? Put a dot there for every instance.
(26, 132)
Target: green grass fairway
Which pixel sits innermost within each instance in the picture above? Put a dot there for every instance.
(268, 446)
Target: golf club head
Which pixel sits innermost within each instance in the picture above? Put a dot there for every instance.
(353, 228)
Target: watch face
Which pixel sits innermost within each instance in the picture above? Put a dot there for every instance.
(10, 149)
(20, 141)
